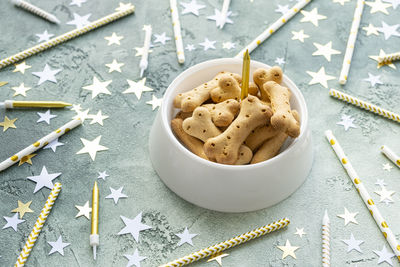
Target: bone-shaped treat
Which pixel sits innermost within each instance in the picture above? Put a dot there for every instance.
(225, 147)
(223, 113)
(200, 125)
(228, 88)
(245, 155)
(259, 135)
(261, 76)
(269, 148)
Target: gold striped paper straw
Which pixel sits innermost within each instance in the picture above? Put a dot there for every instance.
(40, 143)
(391, 155)
(66, 37)
(365, 105)
(351, 42)
(195, 256)
(274, 27)
(177, 31)
(389, 58)
(369, 203)
(37, 228)
(326, 250)
(36, 10)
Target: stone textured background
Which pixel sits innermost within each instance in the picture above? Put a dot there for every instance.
(126, 134)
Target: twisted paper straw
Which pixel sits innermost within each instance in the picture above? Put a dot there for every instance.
(369, 203)
(274, 27)
(365, 105)
(389, 58)
(35, 10)
(177, 31)
(391, 155)
(30, 242)
(326, 251)
(40, 143)
(65, 37)
(195, 256)
(351, 42)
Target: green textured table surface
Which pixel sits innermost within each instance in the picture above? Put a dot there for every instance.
(126, 133)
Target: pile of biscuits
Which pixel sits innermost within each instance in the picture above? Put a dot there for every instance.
(216, 125)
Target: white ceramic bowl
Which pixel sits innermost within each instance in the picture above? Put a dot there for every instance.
(219, 187)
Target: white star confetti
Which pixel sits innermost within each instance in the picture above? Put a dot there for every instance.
(389, 30)
(58, 246)
(282, 9)
(380, 182)
(373, 80)
(12, 222)
(154, 102)
(219, 18)
(218, 257)
(114, 66)
(76, 108)
(47, 75)
(79, 21)
(83, 115)
(137, 88)
(378, 6)
(53, 145)
(395, 3)
(46, 117)
(114, 39)
(133, 226)
(77, 3)
(347, 122)
(371, 29)
(300, 35)
(312, 16)
(280, 61)
(320, 77)
(102, 175)
(21, 67)
(161, 38)
(300, 232)
(185, 237)
(288, 250)
(44, 179)
(340, 1)
(139, 51)
(123, 7)
(44, 37)
(352, 243)
(384, 256)
(116, 194)
(207, 44)
(387, 167)
(228, 45)
(84, 210)
(190, 47)
(98, 118)
(192, 8)
(382, 54)
(20, 90)
(385, 195)
(92, 147)
(349, 217)
(134, 259)
(98, 87)
(325, 50)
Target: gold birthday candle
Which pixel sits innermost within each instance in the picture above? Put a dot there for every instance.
(94, 235)
(33, 104)
(245, 75)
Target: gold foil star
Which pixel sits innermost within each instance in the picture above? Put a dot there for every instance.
(288, 250)
(21, 67)
(378, 6)
(26, 159)
(218, 258)
(7, 123)
(23, 208)
(92, 147)
(382, 54)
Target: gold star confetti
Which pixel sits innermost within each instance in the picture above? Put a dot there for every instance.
(300, 35)
(20, 90)
(154, 102)
(382, 54)
(3, 83)
(139, 51)
(92, 147)
(114, 66)
(23, 208)
(378, 6)
(21, 67)
(288, 250)
(26, 159)
(7, 123)
(325, 50)
(114, 39)
(371, 29)
(312, 16)
(218, 258)
(137, 88)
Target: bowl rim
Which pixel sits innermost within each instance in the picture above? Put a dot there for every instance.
(168, 97)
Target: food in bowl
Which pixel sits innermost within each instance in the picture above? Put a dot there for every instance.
(216, 125)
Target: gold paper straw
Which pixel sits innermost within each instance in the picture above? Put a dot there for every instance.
(37, 228)
(369, 203)
(274, 27)
(389, 58)
(351, 42)
(326, 251)
(391, 155)
(365, 105)
(195, 256)
(94, 233)
(245, 75)
(33, 104)
(3, 83)
(177, 31)
(35, 10)
(40, 143)
(66, 37)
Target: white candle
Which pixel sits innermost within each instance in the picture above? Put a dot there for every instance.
(144, 60)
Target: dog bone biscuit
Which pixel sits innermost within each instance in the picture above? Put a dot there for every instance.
(228, 88)
(261, 76)
(253, 89)
(245, 155)
(191, 143)
(223, 113)
(200, 125)
(257, 137)
(188, 101)
(225, 147)
(269, 148)
(183, 115)
(283, 118)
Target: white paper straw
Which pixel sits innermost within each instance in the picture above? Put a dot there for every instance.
(351, 42)
(177, 31)
(35, 10)
(274, 27)
(391, 155)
